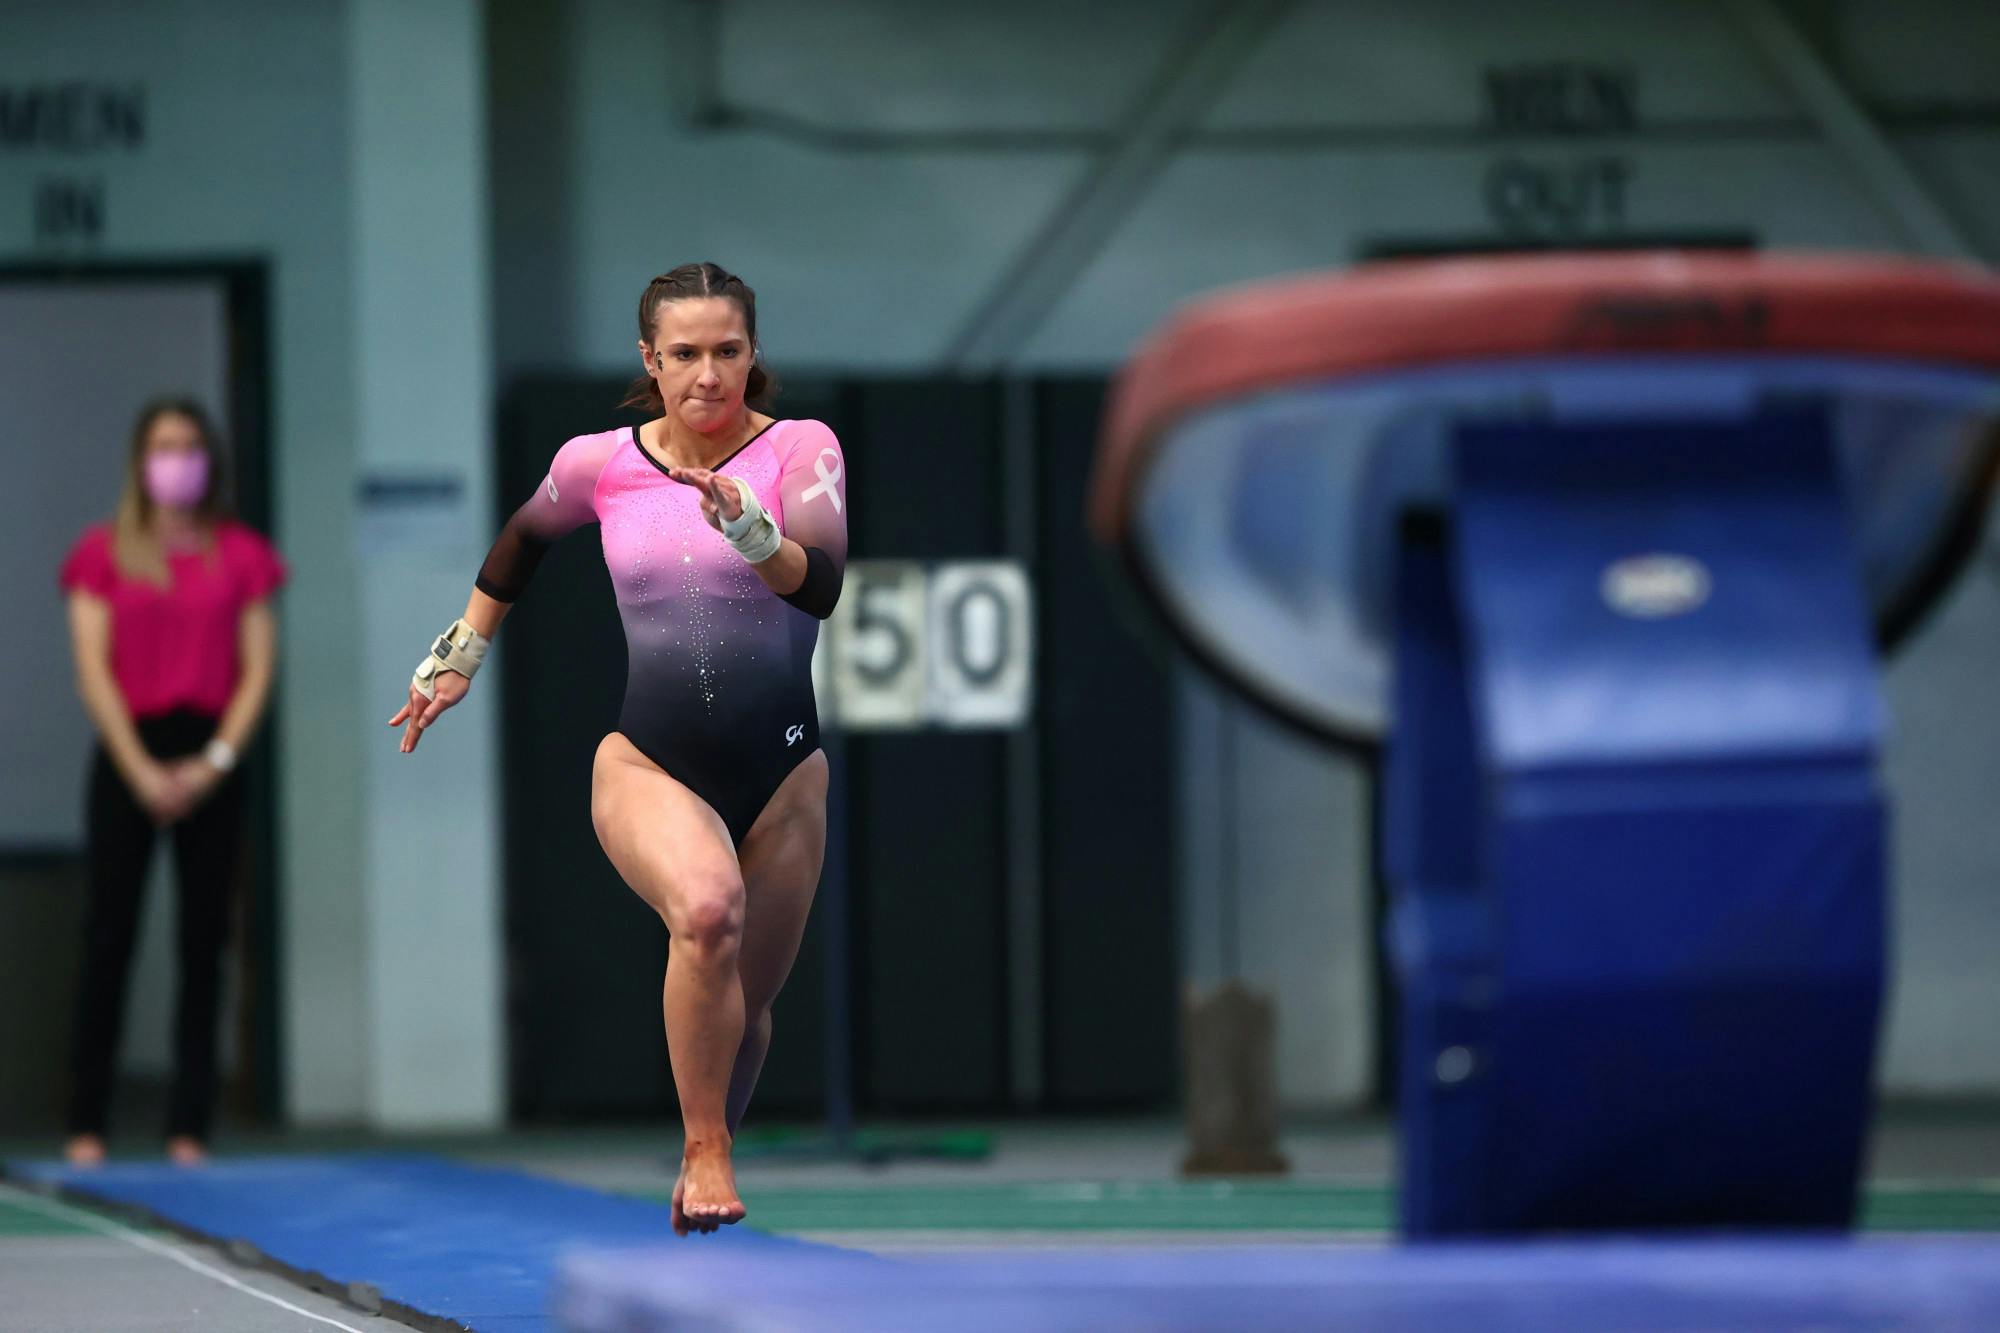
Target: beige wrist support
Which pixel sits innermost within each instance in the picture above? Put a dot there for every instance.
(755, 537)
(460, 648)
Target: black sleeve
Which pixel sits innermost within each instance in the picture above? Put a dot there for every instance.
(512, 560)
(820, 592)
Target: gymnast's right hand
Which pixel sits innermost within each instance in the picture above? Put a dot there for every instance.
(420, 712)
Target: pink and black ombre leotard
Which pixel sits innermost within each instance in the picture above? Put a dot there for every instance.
(718, 685)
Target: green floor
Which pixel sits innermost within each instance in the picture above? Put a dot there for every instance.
(20, 1220)
(1918, 1208)
(1218, 1206)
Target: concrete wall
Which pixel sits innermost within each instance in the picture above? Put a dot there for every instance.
(885, 162)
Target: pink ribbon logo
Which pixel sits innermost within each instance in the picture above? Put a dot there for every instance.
(829, 473)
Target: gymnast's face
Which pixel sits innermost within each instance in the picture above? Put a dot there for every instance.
(700, 358)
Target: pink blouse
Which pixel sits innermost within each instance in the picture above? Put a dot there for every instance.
(176, 647)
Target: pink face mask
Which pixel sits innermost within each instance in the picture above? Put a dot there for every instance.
(177, 478)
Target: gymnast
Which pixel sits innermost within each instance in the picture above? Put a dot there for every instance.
(726, 535)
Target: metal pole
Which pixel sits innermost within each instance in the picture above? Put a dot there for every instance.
(1909, 204)
(1022, 501)
(1071, 236)
(834, 917)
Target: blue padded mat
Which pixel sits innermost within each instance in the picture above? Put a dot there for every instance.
(1665, 1286)
(469, 1245)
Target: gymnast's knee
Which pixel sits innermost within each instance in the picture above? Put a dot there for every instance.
(709, 917)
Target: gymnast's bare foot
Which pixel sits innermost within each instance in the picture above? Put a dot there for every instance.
(84, 1150)
(186, 1150)
(680, 1218)
(709, 1199)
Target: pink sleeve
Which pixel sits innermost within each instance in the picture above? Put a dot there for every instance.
(564, 502)
(89, 567)
(260, 569)
(567, 497)
(812, 488)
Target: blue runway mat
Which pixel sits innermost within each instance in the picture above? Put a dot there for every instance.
(461, 1245)
(1639, 1286)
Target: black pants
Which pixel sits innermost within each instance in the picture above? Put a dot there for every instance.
(207, 844)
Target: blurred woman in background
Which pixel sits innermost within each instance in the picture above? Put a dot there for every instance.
(171, 625)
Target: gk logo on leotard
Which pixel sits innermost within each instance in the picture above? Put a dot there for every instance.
(829, 477)
(794, 733)
(552, 488)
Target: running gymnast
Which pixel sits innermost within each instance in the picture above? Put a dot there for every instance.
(725, 532)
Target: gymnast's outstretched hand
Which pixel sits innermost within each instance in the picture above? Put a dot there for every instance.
(420, 712)
(719, 497)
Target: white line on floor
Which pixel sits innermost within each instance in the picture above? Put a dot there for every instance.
(62, 1212)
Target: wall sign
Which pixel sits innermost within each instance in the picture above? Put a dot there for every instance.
(1563, 196)
(1562, 97)
(69, 208)
(949, 645)
(412, 511)
(981, 645)
(77, 119)
(875, 643)
(73, 117)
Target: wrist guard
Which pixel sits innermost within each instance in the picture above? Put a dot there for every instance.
(460, 648)
(755, 537)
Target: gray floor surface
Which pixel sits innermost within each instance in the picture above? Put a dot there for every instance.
(91, 1278)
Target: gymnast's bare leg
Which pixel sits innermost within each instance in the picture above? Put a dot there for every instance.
(735, 929)
(781, 859)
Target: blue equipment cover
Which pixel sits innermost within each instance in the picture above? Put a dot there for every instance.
(1775, 661)
(475, 1246)
(1635, 833)
(1637, 1286)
